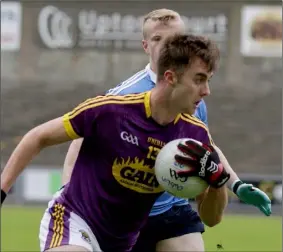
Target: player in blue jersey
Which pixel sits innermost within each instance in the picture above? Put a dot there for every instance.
(173, 225)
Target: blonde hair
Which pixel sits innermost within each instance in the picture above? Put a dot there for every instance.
(159, 15)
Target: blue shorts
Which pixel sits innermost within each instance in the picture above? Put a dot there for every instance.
(177, 221)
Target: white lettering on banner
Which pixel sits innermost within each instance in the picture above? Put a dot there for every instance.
(113, 29)
(11, 25)
(58, 33)
(109, 27)
(209, 26)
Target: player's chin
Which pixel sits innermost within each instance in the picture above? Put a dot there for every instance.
(190, 110)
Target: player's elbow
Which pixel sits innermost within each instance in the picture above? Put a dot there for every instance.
(210, 217)
(212, 222)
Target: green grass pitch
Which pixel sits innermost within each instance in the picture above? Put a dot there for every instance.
(20, 225)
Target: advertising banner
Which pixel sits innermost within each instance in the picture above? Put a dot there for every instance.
(261, 31)
(11, 26)
(41, 184)
(100, 26)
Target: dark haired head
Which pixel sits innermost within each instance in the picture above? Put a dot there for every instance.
(179, 51)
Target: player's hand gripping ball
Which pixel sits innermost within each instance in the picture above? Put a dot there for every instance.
(186, 167)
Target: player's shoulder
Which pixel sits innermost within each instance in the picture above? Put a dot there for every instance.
(137, 83)
(110, 101)
(193, 120)
(127, 99)
(197, 127)
(109, 105)
(136, 77)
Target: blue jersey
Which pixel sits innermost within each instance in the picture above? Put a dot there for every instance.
(144, 81)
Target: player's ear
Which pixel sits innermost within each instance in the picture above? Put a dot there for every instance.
(170, 77)
(145, 46)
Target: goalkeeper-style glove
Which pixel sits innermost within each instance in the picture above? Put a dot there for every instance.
(204, 163)
(252, 196)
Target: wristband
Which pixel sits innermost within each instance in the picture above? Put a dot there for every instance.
(236, 185)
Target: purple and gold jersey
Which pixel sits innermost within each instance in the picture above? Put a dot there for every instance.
(113, 186)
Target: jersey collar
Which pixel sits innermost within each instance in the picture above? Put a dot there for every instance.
(147, 104)
(151, 74)
(148, 109)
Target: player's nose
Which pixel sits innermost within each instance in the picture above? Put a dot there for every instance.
(205, 91)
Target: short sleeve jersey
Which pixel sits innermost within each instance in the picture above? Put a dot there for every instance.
(115, 165)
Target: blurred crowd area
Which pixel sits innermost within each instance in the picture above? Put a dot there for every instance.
(61, 53)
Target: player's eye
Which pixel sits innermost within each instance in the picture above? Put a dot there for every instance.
(199, 81)
(156, 38)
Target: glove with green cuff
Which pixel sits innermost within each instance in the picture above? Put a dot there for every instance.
(252, 196)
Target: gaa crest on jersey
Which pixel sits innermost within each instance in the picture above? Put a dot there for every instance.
(125, 136)
(134, 174)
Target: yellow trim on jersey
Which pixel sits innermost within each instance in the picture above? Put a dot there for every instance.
(93, 105)
(147, 104)
(69, 128)
(107, 97)
(197, 122)
(148, 108)
(127, 95)
(96, 102)
(177, 118)
(58, 226)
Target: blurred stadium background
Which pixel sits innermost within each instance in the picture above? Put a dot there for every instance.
(55, 54)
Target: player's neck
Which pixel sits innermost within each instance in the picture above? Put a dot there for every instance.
(152, 66)
(161, 107)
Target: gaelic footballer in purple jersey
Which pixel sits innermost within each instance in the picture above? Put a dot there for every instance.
(115, 165)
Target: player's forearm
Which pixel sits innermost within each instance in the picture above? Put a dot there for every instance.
(228, 168)
(47, 134)
(29, 147)
(70, 160)
(212, 204)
